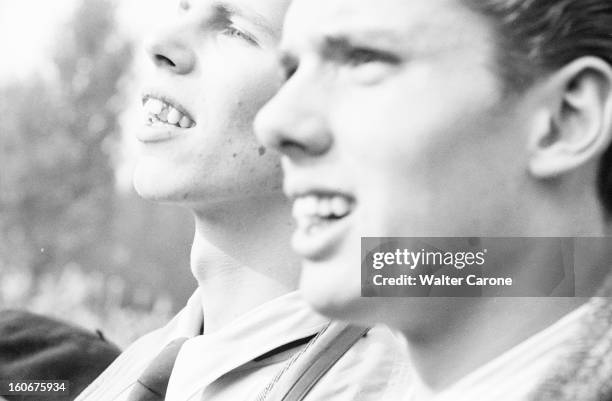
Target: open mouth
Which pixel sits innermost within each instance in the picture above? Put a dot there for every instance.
(323, 223)
(161, 111)
(318, 210)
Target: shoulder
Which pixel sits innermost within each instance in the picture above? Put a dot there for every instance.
(126, 369)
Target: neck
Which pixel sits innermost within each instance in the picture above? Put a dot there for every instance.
(451, 338)
(459, 335)
(475, 333)
(241, 257)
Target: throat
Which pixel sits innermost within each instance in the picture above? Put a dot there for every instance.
(229, 289)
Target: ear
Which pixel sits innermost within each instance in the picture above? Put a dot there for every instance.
(574, 126)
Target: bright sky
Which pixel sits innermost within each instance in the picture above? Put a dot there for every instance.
(25, 27)
(28, 29)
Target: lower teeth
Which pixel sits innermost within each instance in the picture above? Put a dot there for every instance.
(154, 120)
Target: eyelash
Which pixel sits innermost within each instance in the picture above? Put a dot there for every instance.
(235, 32)
(353, 57)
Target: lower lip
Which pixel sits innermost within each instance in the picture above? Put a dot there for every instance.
(322, 241)
(157, 134)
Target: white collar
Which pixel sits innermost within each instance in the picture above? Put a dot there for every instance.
(205, 358)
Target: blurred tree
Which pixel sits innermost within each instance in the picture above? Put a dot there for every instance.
(56, 182)
(58, 202)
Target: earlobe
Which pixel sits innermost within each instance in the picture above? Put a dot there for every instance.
(574, 126)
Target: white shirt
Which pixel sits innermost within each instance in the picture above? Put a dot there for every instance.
(510, 377)
(221, 366)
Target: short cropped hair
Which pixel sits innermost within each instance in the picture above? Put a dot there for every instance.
(536, 37)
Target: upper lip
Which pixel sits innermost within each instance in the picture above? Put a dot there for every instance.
(294, 191)
(168, 99)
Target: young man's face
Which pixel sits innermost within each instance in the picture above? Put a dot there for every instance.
(393, 122)
(211, 71)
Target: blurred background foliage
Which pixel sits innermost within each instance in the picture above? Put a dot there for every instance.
(73, 243)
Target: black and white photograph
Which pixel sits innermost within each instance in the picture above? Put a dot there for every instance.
(306, 200)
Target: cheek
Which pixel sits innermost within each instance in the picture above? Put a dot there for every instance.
(240, 89)
(231, 104)
(425, 153)
(422, 120)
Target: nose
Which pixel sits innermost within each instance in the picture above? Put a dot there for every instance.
(170, 51)
(294, 121)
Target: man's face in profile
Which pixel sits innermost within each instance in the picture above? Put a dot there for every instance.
(211, 69)
(394, 122)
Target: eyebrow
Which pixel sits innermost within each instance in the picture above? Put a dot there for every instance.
(333, 43)
(370, 35)
(225, 11)
(334, 46)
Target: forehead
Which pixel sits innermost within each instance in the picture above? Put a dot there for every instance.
(430, 22)
(265, 12)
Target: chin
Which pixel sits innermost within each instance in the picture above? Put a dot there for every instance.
(356, 310)
(155, 194)
(333, 296)
(156, 186)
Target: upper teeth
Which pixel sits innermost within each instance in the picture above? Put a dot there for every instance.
(160, 111)
(321, 207)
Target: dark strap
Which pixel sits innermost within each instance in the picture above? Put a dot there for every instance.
(308, 367)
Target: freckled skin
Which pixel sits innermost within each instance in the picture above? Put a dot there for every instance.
(241, 255)
(231, 80)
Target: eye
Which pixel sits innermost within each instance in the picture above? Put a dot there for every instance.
(233, 32)
(361, 56)
(368, 66)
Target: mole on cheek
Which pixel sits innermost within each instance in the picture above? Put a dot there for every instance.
(262, 151)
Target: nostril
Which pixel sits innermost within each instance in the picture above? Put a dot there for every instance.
(172, 57)
(163, 61)
(292, 149)
(288, 144)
